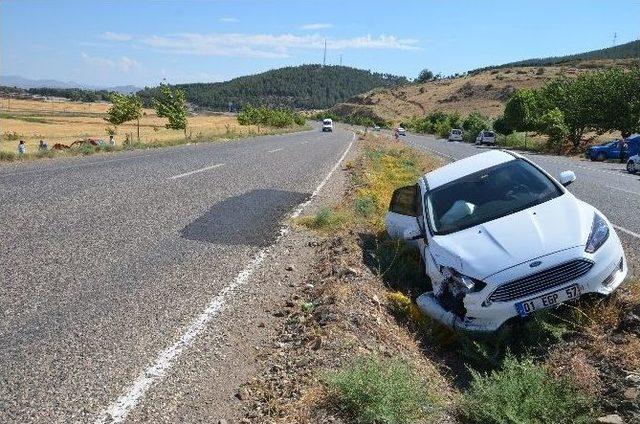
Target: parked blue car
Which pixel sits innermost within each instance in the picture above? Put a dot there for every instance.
(611, 150)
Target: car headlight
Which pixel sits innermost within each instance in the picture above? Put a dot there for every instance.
(598, 235)
(461, 284)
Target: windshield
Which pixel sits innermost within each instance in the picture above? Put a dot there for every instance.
(487, 195)
(456, 132)
(488, 134)
(327, 122)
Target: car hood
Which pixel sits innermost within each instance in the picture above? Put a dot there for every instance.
(486, 249)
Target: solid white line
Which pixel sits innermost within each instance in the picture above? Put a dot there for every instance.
(186, 174)
(276, 150)
(117, 411)
(624, 230)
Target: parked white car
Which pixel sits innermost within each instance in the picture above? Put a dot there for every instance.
(500, 238)
(327, 125)
(633, 164)
(486, 137)
(401, 131)
(455, 135)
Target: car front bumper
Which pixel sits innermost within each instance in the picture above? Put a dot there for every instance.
(608, 271)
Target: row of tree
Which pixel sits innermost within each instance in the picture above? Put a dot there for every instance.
(279, 117)
(441, 123)
(566, 108)
(169, 103)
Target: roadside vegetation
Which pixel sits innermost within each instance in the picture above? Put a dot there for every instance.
(89, 126)
(278, 117)
(571, 364)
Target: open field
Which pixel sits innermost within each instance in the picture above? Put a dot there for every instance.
(66, 122)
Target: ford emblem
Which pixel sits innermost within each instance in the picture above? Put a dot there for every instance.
(535, 264)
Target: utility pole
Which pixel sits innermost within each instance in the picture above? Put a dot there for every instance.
(324, 59)
(615, 37)
(340, 60)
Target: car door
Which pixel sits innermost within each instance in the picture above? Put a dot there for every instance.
(402, 213)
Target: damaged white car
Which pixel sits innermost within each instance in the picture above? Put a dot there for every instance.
(500, 238)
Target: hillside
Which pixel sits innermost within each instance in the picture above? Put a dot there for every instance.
(300, 87)
(483, 91)
(629, 50)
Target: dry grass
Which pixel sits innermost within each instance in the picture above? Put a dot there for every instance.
(484, 92)
(66, 122)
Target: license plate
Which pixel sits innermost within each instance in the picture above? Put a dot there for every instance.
(548, 300)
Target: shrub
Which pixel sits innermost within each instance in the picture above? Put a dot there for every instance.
(267, 116)
(325, 219)
(523, 392)
(371, 390)
(7, 156)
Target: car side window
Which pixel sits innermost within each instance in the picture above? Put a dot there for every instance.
(404, 201)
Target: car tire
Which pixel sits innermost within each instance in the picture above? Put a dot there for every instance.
(631, 168)
(601, 157)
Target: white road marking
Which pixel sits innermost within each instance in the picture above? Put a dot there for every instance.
(186, 174)
(276, 150)
(623, 190)
(624, 230)
(117, 411)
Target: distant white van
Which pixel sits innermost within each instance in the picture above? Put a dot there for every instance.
(327, 125)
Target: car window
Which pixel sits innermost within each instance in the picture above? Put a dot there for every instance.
(488, 134)
(487, 195)
(403, 201)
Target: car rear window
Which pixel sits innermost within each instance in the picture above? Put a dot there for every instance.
(488, 134)
(456, 132)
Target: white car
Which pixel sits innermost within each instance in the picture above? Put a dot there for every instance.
(500, 238)
(486, 137)
(633, 164)
(455, 135)
(327, 125)
(401, 131)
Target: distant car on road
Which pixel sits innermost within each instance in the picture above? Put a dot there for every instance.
(455, 135)
(327, 125)
(486, 137)
(611, 149)
(376, 128)
(401, 131)
(633, 164)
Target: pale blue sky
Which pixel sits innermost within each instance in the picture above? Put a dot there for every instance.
(140, 42)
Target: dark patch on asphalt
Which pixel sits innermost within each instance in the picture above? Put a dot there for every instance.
(251, 219)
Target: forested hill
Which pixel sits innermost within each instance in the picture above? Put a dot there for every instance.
(623, 51)
(300, 87)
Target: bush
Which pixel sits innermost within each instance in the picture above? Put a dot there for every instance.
(473, 124)
(8, 156)
(523, 392)
(271, 117)
(371, 390)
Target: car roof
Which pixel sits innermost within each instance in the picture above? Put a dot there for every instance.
(466, 166)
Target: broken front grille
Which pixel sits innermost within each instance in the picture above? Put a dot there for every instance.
(541, 281)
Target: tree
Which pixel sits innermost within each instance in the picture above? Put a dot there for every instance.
(425, 75)
(617, 99)
(521, 111)
(124, 108)
(552, 124)
(171, 104)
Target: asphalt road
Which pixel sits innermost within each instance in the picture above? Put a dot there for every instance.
(105, 260)
(605, 185)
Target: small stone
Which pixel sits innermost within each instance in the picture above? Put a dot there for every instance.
(611, 419)
(317, 343)
(289, 304)
(376, 300)
(631, 393)
(242, 394)
(280, 314)
(308, 286)
(289, 268)
(222, 421)
(261, 325)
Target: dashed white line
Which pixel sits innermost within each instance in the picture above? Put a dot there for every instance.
(186, 174)
(117, 411)
(275, 150)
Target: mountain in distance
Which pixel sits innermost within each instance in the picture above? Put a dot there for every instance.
(298, 87)
(26, 83)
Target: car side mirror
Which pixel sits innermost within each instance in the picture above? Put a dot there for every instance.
(412, 233)
(567, 177)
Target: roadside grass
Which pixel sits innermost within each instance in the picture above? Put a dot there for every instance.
(523, 392)
(374, 390)
(88, 149)
(32, 119)
(521, 141)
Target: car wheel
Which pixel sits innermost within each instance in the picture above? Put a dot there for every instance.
(601, 157)
(631, 168)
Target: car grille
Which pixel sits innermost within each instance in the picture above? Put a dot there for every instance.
(541, 281)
